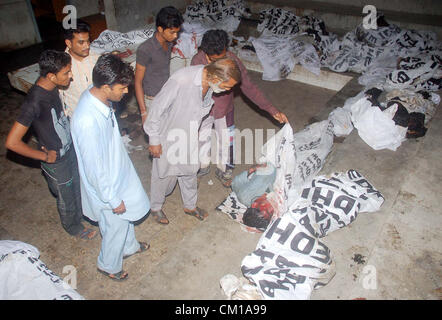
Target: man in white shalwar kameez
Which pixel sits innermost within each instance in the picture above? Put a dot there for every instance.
(111, 191)
(172, 126)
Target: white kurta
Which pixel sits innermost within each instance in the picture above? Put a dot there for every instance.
(106, 172)
(174, 120)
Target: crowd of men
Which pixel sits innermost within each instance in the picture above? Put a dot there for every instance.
(83, 158)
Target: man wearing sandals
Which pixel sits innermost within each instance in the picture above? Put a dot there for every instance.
(44, 111)
(214, 45)
(111, 190)
(177, 112)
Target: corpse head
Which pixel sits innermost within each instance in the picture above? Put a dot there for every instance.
(112, 76)
(168, 22)
(78, 40)
(55, 66)
(222, 75)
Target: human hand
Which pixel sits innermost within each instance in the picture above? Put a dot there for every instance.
(281, 117)
(120, 209)
(143, 117)
(156, 151)
(51, 155)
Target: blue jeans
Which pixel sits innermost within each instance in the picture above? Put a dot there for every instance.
(64, 183)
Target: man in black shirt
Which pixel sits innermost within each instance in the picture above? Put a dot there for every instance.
(43, 109)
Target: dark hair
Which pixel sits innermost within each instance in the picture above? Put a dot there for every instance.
(169, 17)
(214, 42)
(110, 70)
(52, 61)
(82, 26)
(224, 69)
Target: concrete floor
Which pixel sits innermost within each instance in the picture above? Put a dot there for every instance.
(401, 243)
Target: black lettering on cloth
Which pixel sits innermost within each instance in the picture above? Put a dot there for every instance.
(319, 215)
(305, 194)
(32, 259)
(282, 262)
(284, 233)
(402, 77)
(288, 180)
(269, 287)
(294, 245)
(326, 199)
(344, 203)
(337, 218)
(305, 221)
(369, 188)
(322, 254)
(328, 183)
(278, 272)
(263, 255)
(353, 174)
(3, 256)
(250, 271)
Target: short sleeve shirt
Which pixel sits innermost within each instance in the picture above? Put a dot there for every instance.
(44, 111)
(152, 56)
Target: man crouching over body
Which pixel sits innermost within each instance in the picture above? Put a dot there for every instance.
(184, 100)
(111, 191)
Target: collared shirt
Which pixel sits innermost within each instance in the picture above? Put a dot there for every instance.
(224, 101)
(107, 174)
(174, 120)
(152, 56)
(81, 80)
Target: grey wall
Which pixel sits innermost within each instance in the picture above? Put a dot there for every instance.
(17, 29)
(432, 7)
(85, 7)
(127, 15)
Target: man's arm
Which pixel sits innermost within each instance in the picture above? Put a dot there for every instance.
(139, 91)
(255, 94)
(160, 105)
(15, 143)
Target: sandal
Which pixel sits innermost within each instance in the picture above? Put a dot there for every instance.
(119, 276)
(159, 217)
(224, 177)
(144, 246)
(198, 213)
(87, 234)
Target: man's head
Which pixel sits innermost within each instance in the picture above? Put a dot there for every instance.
(223, 74)
(77, 40)
(215, 44)
(112, 76)
(168, 23)
(56, 67)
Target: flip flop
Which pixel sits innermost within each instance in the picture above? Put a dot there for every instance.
(144, 246)
(159, 217)
(198, 213)
(87, 234)
(224, 177)
(119, 276)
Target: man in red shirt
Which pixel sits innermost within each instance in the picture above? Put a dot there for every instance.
(214, 45)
